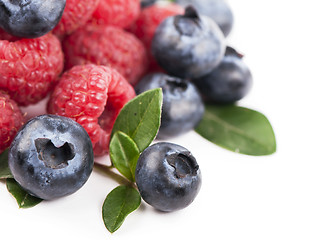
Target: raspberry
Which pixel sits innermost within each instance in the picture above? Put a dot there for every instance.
(29, 67)
(92, 95)
(76, 14)
(11, 120)
(109, 46)
(149, 19)
(118, 13)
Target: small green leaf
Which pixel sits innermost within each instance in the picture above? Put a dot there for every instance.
(23, 199)
(120, 202)
(238, 129)
(4, 169)
(140, 118)
(124, 154)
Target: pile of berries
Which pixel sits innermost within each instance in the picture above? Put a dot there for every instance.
(91, 57)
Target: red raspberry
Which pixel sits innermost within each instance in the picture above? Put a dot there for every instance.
(11, 120)
(109, 46)
(118, 13)
(29, 67)
(93, 96)
(149, 19)
(75, 15)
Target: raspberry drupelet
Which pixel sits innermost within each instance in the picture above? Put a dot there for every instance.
(11, 120)
(75, 15)
(108, 46)
(118, 13)
(29, 68)
(93, 96)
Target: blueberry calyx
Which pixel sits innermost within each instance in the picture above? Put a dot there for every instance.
(187, 23)
(184, 164)
(22, 3)
(176, 84)
(55, 157)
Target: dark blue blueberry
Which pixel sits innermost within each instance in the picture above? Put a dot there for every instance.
(146, 3)
(168, 176)
(218, 10)
(189, 45)
(229, 82)
(51, 156)
(30, 18)
(182, 108)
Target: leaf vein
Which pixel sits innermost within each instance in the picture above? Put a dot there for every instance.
(237, 130)
(126, 162)
(119, 213)
(23, 200)
(142, 117)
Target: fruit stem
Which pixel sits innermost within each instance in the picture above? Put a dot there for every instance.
(107, 170)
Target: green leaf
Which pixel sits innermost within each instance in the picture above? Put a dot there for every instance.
(4, 169)
(140, 118)
(238, 129)
(120, 202)
(124, 154)
(23, 199)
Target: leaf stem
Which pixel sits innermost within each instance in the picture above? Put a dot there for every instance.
(108, 171)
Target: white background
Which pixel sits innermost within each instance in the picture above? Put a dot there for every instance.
(290, 48)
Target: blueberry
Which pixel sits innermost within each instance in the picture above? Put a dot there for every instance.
(218, 10)
(30, 18)
(51, 156)
(168, 176)
(146, 3)
(227, 83)
(189, 45)
(182, 108)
